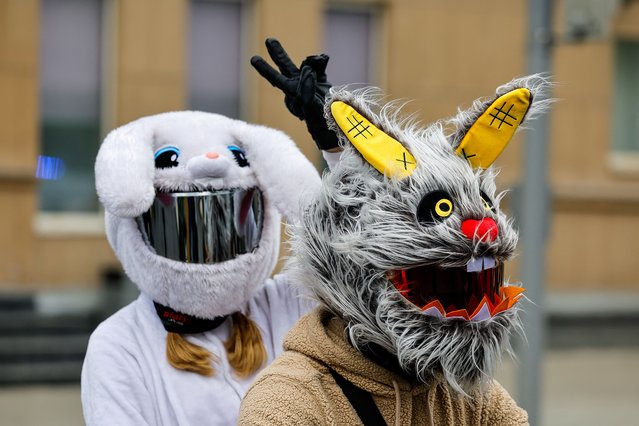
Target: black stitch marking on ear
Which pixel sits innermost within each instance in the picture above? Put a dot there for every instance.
(404, 160)
(356, 125)
(506, 115)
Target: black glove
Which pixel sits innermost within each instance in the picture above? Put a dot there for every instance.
(305, 89)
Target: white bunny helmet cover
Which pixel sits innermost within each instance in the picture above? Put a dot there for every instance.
(224, 168)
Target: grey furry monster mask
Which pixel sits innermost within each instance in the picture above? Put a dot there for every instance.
(406, 241)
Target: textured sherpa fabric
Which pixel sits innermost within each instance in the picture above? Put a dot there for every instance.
(298, 389)
(127, 180)
(363, 225)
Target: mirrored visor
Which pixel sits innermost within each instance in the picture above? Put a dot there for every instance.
(204, 227)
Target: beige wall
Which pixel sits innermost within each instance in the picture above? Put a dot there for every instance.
(446, 54)
(18, 136)
(625, 23)
(441, 54)
(595, 227)
(144, 74)
(150, 57)
(296, 24)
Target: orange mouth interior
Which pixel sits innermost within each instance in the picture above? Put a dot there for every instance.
(456, 293)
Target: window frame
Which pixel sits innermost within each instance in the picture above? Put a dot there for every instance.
(75, 223)
(246, 33)
(621, 160)
(377, 48)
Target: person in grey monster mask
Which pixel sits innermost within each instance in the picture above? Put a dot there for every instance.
(404, 248)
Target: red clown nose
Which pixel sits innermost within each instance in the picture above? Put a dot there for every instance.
(480, 230)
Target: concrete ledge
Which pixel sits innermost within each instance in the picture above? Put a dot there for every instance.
(592, 304)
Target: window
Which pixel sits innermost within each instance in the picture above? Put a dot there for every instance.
(626, 108)
(215, 56)
(70, 42)
(349, 39)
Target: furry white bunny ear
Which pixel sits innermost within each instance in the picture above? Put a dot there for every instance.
(124, 170)
(484, 130)
(284, 174)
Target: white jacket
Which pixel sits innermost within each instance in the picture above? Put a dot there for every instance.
(127, 380)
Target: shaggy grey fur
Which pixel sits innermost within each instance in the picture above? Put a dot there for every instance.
(362, 225)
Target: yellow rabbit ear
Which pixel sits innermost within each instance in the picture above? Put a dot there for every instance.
(380, 150)
(489, 135)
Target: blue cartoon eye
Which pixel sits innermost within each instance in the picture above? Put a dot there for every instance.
(239, 155)
(166, 157)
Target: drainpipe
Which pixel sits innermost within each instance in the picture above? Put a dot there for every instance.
(535, 207)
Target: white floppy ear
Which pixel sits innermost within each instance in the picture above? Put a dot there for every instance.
(124, 170)
(282, 171)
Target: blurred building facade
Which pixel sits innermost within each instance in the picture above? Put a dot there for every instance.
(71, 70)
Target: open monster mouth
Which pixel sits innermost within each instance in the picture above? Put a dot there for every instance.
(474, 292)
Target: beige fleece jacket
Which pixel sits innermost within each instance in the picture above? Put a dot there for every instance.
(298, 389)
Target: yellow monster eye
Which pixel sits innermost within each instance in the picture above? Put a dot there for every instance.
(434, 207)
(444, 207)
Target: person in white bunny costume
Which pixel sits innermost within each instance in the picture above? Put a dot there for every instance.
(192, 203)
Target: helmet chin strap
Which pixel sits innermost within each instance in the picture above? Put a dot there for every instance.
(178, 322)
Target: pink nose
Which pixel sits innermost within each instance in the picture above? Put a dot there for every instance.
(212, 155)
(482, 230)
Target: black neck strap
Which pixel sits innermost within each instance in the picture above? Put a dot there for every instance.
(177, 322)
(361, 400)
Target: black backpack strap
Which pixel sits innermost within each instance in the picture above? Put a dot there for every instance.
(361, 401)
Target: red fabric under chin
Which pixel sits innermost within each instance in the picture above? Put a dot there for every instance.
(453, 287)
